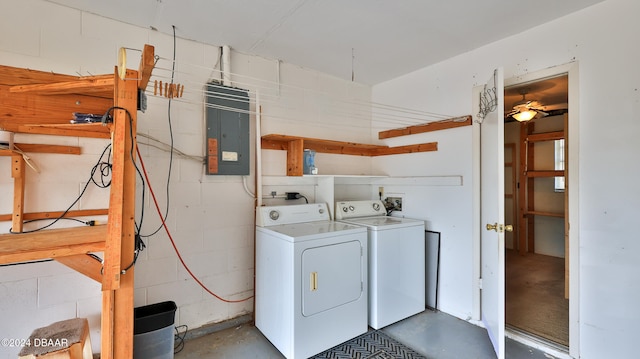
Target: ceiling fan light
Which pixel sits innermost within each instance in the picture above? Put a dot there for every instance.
(525, 115)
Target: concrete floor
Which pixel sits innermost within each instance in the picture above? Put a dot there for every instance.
(434, 334)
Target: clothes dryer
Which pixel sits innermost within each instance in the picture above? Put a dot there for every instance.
(311, 279)
(396, 260)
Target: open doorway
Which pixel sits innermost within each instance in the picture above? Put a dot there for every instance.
(536, 203)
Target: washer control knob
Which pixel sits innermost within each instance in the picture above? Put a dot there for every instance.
(351, 208)
(274, 215)
(345, 209)
(376, 206)
(321, 210)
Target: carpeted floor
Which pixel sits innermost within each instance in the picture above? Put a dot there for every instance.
(535, 300)
(371, 345)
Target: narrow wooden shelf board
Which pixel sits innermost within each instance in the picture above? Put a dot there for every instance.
(52, 243)
(93, 130)
(426, 127)
(546, 136)
(546, 214)
(549, 173)
(101, 86)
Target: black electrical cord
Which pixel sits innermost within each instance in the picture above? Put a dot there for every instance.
(105, 172)
(179, 338)
(139, 244)
(171, 145)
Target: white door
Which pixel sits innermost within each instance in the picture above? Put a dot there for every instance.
(492, 272)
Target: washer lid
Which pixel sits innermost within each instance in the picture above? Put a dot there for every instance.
(386, 222)
(297, 232)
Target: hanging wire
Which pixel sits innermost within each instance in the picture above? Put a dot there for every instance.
(273, 93)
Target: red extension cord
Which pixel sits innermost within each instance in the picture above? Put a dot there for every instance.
(174, 244)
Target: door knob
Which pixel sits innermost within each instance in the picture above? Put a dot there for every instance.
(499, 227)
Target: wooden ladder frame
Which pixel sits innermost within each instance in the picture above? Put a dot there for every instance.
(42, 102)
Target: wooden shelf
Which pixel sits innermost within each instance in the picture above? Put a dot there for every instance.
(427, 127)
(549, 173)
(546, 136)
(547, 214)
(92, 130)
(42, 102)
(100, 86)
(52, 243)
(295, 146)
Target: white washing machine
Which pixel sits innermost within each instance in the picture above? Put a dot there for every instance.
(396, 260)
(311, 279)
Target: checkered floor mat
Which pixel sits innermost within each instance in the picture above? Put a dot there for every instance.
(371, 345)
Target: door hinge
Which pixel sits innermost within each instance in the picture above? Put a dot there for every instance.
(480, 283)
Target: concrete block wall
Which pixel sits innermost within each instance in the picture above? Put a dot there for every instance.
(209, 217)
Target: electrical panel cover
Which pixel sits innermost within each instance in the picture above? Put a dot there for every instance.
(228, 133)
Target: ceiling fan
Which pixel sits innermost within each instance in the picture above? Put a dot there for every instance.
(526, 110)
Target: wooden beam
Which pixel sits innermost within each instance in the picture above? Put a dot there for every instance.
(522, 192)
(546, 214)
(123, 231)
(531, 228)
(295, 160)
(51, 243)
(427, 127)
(54, 215)
(12, 76)
(59, 149)
(147, 63)
(91, 130)
(84, 264)
(107, 335)
(17, 172)
(422, 147)
(547, 136)
(550, 173)
(102, 84)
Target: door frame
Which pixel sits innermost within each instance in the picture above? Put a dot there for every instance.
(573, 175)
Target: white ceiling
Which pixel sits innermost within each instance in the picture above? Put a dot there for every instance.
(388, 38)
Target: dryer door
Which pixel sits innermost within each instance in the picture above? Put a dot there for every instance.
(331, 276)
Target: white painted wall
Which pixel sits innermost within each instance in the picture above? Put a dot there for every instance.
(210, 217)
(609, 106)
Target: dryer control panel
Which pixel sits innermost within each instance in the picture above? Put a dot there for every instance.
(353, 209)
(275, 215)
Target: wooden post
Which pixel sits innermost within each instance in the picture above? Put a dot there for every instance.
(295, 161)
(119, 253)
(522, 192)
(17, 172)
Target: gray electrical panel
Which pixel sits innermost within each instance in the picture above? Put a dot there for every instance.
(227, 116)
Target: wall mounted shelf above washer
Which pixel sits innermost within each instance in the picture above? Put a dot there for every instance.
(295, 146)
